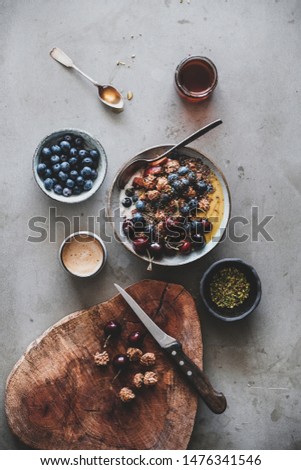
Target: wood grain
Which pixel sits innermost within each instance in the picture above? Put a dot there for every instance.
(56, 398)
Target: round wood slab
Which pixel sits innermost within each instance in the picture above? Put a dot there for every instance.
(57, 398)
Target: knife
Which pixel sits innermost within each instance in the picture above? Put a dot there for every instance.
(216, 401)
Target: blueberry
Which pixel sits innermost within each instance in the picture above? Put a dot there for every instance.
(191, 177)
(73, 174)
(65, 166)
(65, 146)
(135, 198)
(138, 218)
(56, 149)
(83, 154)
(178, 186)
(73, 161)
(48, 183)
(79, 181)
(64, 158)
(94, 154)
(129, 192)
(196, 226)
(94, 175)
(67, 192)
(183, 170)
(164, 199)
(201, 187)
(126, 202)
(86, 172)
(79, 141)
(41, 168)
(70, 183)
(193, 203)
(68, 138)
(58, 189)
(87, 161)
(185, 209)
(63, 176)
(56, 168)
(46, 152)
(140, 205)
(185, 182)
(48, 173)
(209, 188)
(73, 152)
(88, 185)
(77, 190)
(55, 159)
(172, 177)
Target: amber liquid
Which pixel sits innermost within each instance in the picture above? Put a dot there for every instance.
(196, 76)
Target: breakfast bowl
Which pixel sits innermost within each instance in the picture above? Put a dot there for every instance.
(69, 165)
(230, 289)
(173, 212)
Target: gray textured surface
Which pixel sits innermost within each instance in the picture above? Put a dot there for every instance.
(256, 47)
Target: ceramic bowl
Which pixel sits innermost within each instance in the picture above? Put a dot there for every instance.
(89, 142)
(178, 260)
(241, 311)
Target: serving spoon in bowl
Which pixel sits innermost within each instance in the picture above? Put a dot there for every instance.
(107, 94)
(130, 168)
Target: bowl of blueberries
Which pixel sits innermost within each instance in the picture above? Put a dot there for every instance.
(69, 165)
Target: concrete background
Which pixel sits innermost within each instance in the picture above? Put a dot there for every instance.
(256, 48)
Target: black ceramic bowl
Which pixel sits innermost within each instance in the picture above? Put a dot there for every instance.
(241, 311)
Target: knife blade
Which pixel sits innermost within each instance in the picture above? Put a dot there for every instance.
(215, 401)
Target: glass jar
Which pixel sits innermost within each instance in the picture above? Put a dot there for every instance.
(196, 78)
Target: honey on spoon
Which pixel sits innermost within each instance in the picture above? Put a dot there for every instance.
(107, 94)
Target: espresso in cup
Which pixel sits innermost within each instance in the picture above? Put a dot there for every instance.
(83, 254)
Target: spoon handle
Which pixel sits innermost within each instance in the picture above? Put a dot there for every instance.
(60, 56)
(193, 136)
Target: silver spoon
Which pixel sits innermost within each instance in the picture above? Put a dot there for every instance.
(107, 94)
(128, 170)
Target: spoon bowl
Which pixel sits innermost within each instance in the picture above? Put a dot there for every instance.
(107, 94)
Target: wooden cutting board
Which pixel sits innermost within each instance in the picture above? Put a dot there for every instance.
(57, 398)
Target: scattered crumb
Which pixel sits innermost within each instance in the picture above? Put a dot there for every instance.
(133, 56)
(119, 62)
(129, 95)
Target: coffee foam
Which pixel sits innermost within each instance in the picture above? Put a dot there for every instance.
(82, 255)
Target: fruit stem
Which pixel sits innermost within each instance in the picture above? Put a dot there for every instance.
(106, 341)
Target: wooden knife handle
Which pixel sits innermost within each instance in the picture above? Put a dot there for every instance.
(216, 401)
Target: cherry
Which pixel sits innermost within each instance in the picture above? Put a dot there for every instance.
(156, 249)
(185, 249)
(120, 361)
(140, 244)
(128, 228)
(135, 338)
(207, 226)
(112, 328)
(198, 241)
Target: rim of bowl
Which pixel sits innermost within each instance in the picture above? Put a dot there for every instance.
(257, 283)
(93, 235)
(184, 260)
(98, 182)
